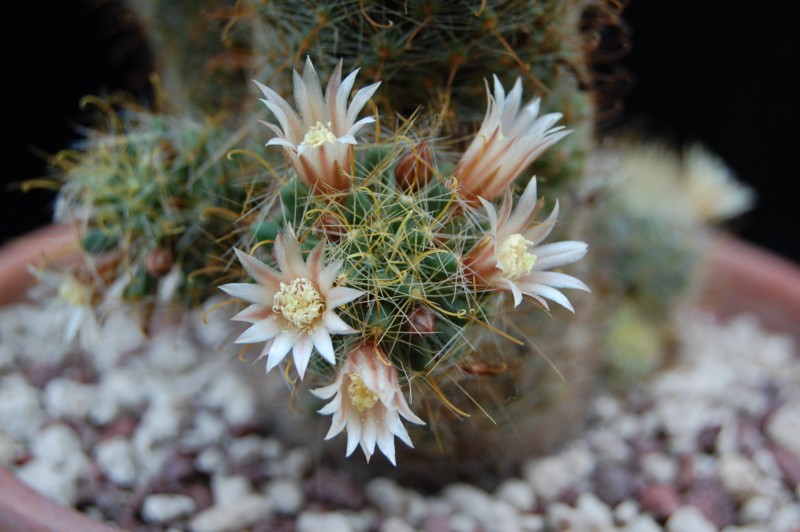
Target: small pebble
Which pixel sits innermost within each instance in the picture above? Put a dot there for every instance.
(689, 518)
(329, 522)
(227, 490)
(286, 495)
(115, 456)
(387, 496)
(642, 523)
(783, 426)
(242, 514)
(662, 501)
(163, 508)
(395, 524)
(518, 493)
(8, 450)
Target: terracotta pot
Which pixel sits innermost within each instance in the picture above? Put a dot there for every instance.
(736, 277)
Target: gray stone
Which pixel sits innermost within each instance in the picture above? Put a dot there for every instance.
(659, 467)
(211, 460)
(517, 493)
(329, 522)
(387, 496)
(242, 514)
(163, 508)
(115, 456)
(286, 495)
(551, 475)
(21, 413)
(395, 524)
(757, 510)
(783, 426)
(60, 446)
(786, 518)
(8, 450)
(738, 475)
(227, 490)
(67, 398)
(50, 480)
(468, 499)
(689, 518)
(642, 523)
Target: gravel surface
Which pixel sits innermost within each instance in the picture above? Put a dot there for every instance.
(167, 433)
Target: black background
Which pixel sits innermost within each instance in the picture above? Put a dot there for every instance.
(717, 71)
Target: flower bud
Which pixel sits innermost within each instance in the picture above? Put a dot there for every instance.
(158, 262)
(422, 321)
(329, 227)
(413, 171)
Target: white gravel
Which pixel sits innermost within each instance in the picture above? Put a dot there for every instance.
(174, 427)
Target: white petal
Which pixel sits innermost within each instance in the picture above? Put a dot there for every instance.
(386, 445)
(260, 331)
(253, 314)
(301, 353)
(353, 432)
(550, 293)
(338, 424)
(326, 392)
(280, 346)
(260, 272)
(322, 341)
(359, 101)
(254, 293)
(557, 280)
(335, 325)
(340, 295)
(557, 254)
(369, 432)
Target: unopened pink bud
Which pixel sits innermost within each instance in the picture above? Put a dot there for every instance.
(413, 171)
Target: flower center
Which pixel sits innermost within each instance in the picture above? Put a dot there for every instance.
(362, 397)
(299, 302)
(513, 256)
(319, 134)
(74, 293)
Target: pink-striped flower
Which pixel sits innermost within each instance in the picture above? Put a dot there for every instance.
(319, 141)
(514, 259)
(292, 309)
(508, 141)
(366, 399)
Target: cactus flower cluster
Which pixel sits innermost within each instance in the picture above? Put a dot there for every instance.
(379, 264)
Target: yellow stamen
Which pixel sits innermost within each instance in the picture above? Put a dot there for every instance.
(513, 256)
(74, 292)
(362, 397)
(299, 302)
(319, 134)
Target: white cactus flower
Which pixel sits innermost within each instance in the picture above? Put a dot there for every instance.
(292, 309)
(366, 399)
(319, 141)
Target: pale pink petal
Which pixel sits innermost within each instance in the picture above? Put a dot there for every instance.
(322, 341)
(340, 295)
(556, 280)
(253, 313)
(359, 101)
(280, 347)
(260, 332)
(550, 293)
(254, 293)
(353, 431)
(386, 445)
(558, 254)
(369, 434)
(260, 272)
(335, 325)
(301, 352)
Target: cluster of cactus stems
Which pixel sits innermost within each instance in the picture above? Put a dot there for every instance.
(391, 224)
